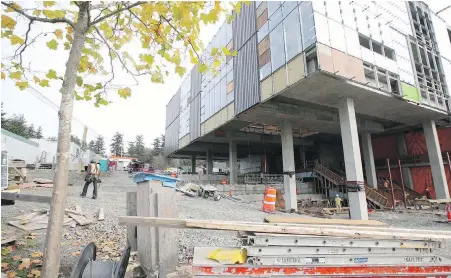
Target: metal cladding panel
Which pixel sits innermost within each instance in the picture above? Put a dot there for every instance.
(171, 143)
(245, 71)
(194, 119)
(244, 26)
(173, 108)
(196, 81)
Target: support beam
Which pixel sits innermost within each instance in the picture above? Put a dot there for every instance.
(353, 160)
(402, 150)
(209, 162)
(233, 163)
(368, 157)
(193, 164)
(289, 179)
(436, 160)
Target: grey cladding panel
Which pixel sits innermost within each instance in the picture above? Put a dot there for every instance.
(247, 86)
(173, 108)
(196, 81)
(194, 119)
(244, 26)
(171, 143)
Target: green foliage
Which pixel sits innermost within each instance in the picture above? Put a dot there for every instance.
(167, 31)
(17, 124)
(117, 144)
(99, 146)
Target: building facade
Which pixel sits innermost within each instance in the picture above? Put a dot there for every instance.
(309, 73)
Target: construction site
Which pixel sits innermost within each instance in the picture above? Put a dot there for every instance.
(326, 142)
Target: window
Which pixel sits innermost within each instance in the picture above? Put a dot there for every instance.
(277, 48)
(275, 19)
(288, 6)
(389, 53)
(307, 24)
(312, 61)
(293, 40)
(364, 41)
(263, 31)
(272, 7)
(377, 47)
(449, 35)
(265, 71)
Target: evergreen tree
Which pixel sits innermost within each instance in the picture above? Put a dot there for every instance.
(4, 119)
(117, 144)
(131, 150)
(92, 145)
(17, 125)
(75, 139)
(140, 148)
(99, 146)
(39, 133)
(31, 132)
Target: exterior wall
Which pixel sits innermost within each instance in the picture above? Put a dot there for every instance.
(19, 147)
(220, 118)
(48, 150)
(171, 143)
(173, 109)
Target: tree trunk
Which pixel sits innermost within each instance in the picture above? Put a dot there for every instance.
(52, 250)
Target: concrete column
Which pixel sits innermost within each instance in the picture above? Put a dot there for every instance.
(209, 162)
(302, 152)
(353, 161)
(436, 160)
(402, 150)
(289, 180)
(193, 164)
(368, 157)
(233, 163)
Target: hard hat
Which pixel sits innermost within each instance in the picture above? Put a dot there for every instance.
(337, 195)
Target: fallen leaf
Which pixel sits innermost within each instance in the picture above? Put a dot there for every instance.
(4, 266)
(10, 248)
(76, 253)
(36, 262)
(31, 237)
(37, 254)
(16, 258)
(76, 243)
(25, 264)
(11, 274)
(36, 273)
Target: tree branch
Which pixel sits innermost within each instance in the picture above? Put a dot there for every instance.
(178, 32)
(116, 12)
(25, 42)
(41, 19)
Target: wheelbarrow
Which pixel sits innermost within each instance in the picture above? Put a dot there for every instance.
(209, 191)
(87, 266)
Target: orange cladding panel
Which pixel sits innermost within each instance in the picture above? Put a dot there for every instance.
(385, 147)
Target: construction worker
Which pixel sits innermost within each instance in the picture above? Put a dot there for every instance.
(91, 176)
(386, 186)
(428, 194)
(338, 203)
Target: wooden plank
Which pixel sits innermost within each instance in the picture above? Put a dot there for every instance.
(101, 215)
(81, 220)
(321, 221)
(268, 228)
(167, 238)
(26, 197)
(8, 240)
(130, 199)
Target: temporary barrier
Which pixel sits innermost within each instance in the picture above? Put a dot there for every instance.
(269, 201)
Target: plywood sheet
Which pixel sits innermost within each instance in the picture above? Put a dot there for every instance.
(280, 79)
(296, 69)
(321, 221)
(266, 88)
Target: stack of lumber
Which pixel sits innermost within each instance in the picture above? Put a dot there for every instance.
(289, 246)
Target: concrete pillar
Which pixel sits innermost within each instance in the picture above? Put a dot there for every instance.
(436, 160)
(233, 163)
(402, 150)
(353, 161)
(302, 152)
(289, 179)
(193, 164)
(209, 162)
(368, 157)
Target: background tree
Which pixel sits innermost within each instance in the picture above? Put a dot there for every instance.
(17, 125)
(131, 150)
(117, 144)
(75, 139)
(99, 146)
(92, 145)
(156, 146)
(3, 117)
(39, 133)
(166, 30)
(31, 133)
(140, 148)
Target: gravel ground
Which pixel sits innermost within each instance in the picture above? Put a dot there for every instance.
(112, 238)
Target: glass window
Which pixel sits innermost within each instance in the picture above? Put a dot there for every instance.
(223, 93)
(288, 6)
(265, 71)
(275, 19)
(292, 35)
(229, 77)
(277, 48)
(230, 65)
(272, 7)
(377, 47)
(365, 42)
(263, 31)
(307, 24)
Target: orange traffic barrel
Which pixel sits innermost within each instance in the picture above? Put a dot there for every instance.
(269, 201)
(174, 175)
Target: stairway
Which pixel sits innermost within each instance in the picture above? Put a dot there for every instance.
(373, 196)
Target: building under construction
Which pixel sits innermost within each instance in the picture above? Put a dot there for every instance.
(346, 94)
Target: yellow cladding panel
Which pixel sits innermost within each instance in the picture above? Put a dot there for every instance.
(230, 111)
(266, 88)
(202, 129)
(280, 79)
(296, 69)
(184, 141)
(325, 60)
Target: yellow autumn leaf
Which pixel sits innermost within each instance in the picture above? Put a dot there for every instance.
(125, 92)
(15, 75)
(11, 274)
(37, 12)
(66, 46)
(180, 70)
(8, 22)
(15, 5)
(51, 74)
(52, 44)
(203, 68)
(44, 83)
(22, 85)
(37, 254)
(54, 14)
(59, 34)
(36, 273)
(69, 29)
(3, 75)
(16, 40)
(49, 3)
(25, 264)
(36, 79)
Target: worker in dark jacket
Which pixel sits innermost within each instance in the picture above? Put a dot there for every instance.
(91, 176)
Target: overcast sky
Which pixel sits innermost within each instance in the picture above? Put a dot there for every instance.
(143, 113)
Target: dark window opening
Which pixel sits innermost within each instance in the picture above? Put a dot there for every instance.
(389, 53)
(449, 35)
(365, 42)
(394, 86)
(377, 48)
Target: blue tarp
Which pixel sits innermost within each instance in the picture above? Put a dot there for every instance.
(167, 181)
